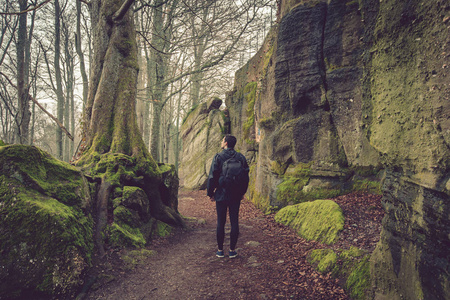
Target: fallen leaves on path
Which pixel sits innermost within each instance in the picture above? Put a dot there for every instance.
(271, 264)
(287, 274)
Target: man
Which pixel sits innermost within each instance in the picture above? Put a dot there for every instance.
(227, 196)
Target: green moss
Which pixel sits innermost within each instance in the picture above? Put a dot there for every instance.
(115, 166)
(366, 185)
(290, 190)
(250, 96)
(267, 123)
(278, 167)
(358, 283)
(324, 258)
(37, 169)
(123, 235)
(352, 253)
(128, 191)
(267, 59)
(163, 229)
(46, 244)
(136, 257)
(127, 216)
(2, 143)
(166, 168)
(320, 220)
(190, 113)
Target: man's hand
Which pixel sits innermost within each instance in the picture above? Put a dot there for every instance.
(212, 198)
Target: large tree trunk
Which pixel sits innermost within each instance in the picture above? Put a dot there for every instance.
(113, 139)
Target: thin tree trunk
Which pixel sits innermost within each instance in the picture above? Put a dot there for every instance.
(58, 82)
(23, 116)
(80, 54)
(177, 136)
(158, 75)
(68, 144)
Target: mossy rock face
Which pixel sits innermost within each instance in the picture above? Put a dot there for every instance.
(45, 230)
(351, 265)
(135, 198)
(122, 235)
(201, 133)
(320, 220)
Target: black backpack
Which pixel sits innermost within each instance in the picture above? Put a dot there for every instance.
(234, 178)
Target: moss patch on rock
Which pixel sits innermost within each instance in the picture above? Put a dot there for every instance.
(320, 220)
(45, 228)
(250, 96)
(123, 235)
(351, 265)
(358, 283)
(162, 229)
(325, 259)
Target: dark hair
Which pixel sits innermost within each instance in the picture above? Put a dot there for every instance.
(230, 140)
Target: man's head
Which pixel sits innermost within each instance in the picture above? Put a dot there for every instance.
(228, 141)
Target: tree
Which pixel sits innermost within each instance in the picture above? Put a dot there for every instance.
(115, 152)
(58, 81)
(208, 33)
(23, 116)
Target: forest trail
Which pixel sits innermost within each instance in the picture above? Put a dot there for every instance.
(271, 263)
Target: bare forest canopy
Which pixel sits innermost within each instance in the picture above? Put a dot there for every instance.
(188, 51)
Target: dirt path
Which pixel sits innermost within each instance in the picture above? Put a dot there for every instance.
(271, 262)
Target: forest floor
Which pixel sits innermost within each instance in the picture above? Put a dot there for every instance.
(271, 263)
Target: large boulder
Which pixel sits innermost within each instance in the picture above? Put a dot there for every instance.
(201, 133)
(319, 220)
(46, 238)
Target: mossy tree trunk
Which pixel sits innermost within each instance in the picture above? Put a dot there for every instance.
(110, 127)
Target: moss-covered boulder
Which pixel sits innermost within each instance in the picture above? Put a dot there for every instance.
(46, 238)
(320, 220)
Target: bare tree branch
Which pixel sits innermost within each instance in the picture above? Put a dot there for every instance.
(85, 2)
(122, 10)
(27, 10)
(41, 107)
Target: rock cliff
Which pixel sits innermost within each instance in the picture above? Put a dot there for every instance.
(201, 133)
(342, 95)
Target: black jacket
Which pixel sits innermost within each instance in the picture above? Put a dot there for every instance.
(213, 188)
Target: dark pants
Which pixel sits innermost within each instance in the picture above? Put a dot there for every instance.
(233, 207)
